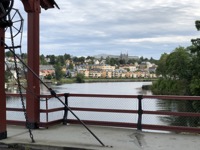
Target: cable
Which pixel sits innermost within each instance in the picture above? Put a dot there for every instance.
(19, 85)
(53, 93)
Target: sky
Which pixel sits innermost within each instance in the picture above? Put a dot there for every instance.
(137, 27)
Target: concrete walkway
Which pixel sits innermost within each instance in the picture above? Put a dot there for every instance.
(76, 137)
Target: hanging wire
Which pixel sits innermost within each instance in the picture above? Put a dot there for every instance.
(53, 93)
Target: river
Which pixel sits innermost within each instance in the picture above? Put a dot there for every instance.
(120, 88)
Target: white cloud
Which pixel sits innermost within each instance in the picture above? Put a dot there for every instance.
(166, 39)
(140, 27)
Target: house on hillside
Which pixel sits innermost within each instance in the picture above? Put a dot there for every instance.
(46, 70)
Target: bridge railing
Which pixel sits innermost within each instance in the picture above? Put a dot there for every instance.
(143, 112)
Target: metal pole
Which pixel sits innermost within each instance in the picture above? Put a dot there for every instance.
(140, 112)
(53, 93)
(65, 109)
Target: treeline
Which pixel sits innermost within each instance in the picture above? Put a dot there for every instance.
(179, 72)
(60, 59)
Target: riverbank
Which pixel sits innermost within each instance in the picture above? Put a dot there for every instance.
(118, 80)
(93, 80)
(88, 80)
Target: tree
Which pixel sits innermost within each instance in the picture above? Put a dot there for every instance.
(75, 59)
(60, 59)
(175, 69)
(195, 67)
(80, 78)
(9, 54)
(58, 72)
(108, 60)
(161, 69)
(178, 64)
(67, 57)
(81, 60)
(52, 59)
(91, 59)
(122, 61)
(114, 61)
(42, 60)
(131, 61)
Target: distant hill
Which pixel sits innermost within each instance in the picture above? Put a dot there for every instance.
(113, 56)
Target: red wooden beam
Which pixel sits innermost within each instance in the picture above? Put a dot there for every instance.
(3, 132)
(46, 4)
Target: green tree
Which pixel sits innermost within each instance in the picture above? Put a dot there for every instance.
(114, 61)
(59, 74)
(161, 69)
(131, 61)
(60, 59)
(81, 60)
(178, 64)
(52, 59)
(75, 59)
(43, 60)
(108, 60)
(9, 54)
(90, 58)
(195, 67)
(175, 69)
(67, 57)
(80, 78)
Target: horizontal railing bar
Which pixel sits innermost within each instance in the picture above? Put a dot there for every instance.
(104, 110)
(163, 97)
(15, 94)
(102, 95)
(186, 114)
(14, 109)
(51, 110)
(104, 123)
(172, 97)
(50, 123)
(17, 123)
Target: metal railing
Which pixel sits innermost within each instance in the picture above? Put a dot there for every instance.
(130, 111)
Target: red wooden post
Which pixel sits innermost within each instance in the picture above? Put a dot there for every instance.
(32, 7)
(3, 132)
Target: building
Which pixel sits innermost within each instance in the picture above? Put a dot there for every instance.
(46, 70)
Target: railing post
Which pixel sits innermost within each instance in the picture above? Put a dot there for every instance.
(47, 112)
(65, 109)
(140, 112)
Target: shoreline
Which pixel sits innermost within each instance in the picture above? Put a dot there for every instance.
(118, 80)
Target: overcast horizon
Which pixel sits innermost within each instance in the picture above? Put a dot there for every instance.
(139, 27)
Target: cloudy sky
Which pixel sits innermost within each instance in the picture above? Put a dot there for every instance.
(137, 27)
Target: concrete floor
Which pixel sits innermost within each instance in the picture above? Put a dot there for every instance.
(76, 137)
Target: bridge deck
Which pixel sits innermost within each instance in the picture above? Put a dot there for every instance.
(76, 137)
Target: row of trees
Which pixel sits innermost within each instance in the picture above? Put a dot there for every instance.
(180, 74)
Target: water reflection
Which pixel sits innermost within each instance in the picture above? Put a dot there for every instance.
(177, 106)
